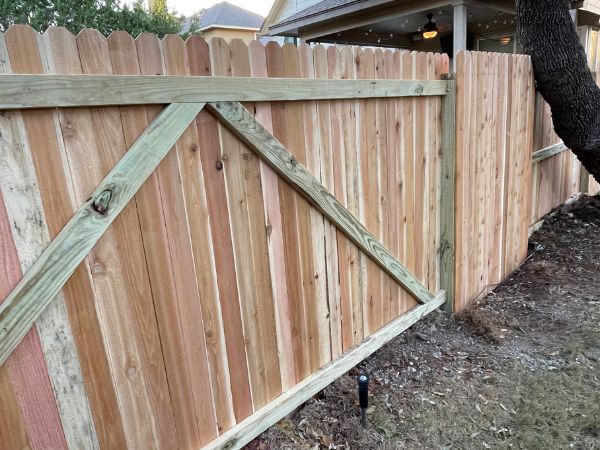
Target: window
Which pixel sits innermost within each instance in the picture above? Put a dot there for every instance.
(502, 43)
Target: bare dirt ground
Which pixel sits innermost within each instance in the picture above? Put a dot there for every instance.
(521, 369)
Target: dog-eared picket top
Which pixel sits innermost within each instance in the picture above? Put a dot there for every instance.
(185, 97)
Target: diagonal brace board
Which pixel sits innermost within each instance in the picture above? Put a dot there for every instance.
(243, 124)
(52, 269)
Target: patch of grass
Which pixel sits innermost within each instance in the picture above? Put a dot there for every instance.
(559, 409)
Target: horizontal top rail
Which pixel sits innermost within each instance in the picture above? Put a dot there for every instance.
(49, 91)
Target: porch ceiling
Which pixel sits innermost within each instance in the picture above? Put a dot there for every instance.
(403, 31)
(398, 16)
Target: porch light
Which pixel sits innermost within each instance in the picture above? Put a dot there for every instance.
(505, 40)
(430, 29)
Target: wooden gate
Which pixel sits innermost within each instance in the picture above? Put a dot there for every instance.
(199, 359)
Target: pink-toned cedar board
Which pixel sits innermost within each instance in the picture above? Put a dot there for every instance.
(466, 81)
(499, 175)
(421, 164)
(326, 138)
(409, 194)
(195, 185)
(324, 308)
(291, 230)
(229, 300)
(43, 423)
(128, 269)
(262, 112)
(247, 175)
(383, 200)
(296, 143)
(372, 305)
(63, 57)
(351, 149)
(332, 117)
(393, 187)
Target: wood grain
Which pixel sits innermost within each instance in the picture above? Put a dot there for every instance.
(330, 62)
(246, 211)
(223, 314)
(369, 202)
(29, 411)
(51, 270)
(246, 127)
(126, 232)
(245, 431)
(40, 134)
(273, 220)
(289, 199)
(448, 193)
(325, 309)
(64, 90)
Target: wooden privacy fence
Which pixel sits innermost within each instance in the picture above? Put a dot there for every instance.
(511, 168)
(196, 271)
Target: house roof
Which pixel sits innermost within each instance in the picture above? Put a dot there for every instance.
(323, 5)
(323, 11)
(225, 14)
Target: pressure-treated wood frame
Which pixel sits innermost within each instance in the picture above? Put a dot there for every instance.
(545, 153)
(50, 91)
(47, 276)
(186, 97)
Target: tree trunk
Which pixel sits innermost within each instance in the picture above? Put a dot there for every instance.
(547, 33)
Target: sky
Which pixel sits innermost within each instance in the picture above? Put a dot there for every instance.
(188, 7)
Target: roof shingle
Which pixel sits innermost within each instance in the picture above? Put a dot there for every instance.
(226, 14)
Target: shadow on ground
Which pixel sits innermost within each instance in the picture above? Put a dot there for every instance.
(521, 369)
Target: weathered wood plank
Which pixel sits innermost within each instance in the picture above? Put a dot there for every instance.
(49, 91)
(245, 431)
(55, 265)
(27, 406)
(252, 133)
(39, 136)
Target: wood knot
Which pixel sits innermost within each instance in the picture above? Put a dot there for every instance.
(269, 229)
(102, 201)
(219, 165)
(194, 147)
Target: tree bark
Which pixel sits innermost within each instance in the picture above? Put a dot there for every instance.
(547, 33)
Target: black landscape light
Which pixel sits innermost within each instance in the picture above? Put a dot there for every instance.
(363, 397)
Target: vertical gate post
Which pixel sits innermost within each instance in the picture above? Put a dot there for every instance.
(448, 193)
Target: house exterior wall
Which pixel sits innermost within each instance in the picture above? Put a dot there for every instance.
(229, 34)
